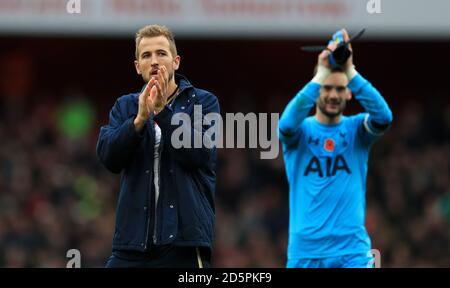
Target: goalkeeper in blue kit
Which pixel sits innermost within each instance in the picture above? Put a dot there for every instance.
(326, 159)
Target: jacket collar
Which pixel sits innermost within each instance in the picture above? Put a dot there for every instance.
(183, 82)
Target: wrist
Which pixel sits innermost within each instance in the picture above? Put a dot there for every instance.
(321, 74)
(158, 109)
(138, 123)
(351, 72)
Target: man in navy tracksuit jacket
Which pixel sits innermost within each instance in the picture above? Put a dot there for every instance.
(165, 212)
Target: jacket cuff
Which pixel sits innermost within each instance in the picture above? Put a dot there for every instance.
(130, 131)
(164, 117)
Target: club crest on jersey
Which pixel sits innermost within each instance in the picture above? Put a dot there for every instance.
(329, 145)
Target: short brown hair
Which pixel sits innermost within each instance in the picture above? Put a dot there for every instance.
(155, 31)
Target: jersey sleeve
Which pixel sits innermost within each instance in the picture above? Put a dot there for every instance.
(379, 117)
(289, 128)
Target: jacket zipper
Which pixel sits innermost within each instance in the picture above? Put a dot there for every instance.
(161, 146)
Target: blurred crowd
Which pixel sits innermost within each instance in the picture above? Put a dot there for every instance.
(56, 196)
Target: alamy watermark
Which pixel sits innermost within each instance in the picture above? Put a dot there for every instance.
(75, 258)
(375, 262)
(374, 7)
(73, 6)
(206, 131)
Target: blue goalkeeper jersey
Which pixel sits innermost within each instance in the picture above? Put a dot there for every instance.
(326, 167)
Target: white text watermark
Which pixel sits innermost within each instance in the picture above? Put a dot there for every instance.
(206, 131)
(375, 262)
(75, 258)
(73, 6)
(374, 7)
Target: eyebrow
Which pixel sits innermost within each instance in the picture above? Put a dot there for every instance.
(157, 51)
(332, 86)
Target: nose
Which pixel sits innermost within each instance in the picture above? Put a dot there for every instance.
(333, 93)
(154, 61)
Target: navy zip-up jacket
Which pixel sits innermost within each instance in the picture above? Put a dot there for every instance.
(185, 213)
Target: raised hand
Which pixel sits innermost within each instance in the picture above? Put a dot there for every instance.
(147, 101)
(349, 64)
(323, 56)
(161, 85)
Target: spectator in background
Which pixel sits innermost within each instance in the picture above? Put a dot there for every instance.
(56, 196)
(16, 83)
